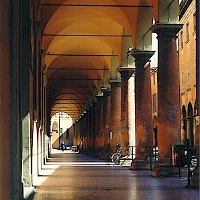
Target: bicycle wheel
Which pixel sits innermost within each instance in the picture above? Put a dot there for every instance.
(114, 158)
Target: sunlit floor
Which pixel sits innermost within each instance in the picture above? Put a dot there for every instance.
(79, 177)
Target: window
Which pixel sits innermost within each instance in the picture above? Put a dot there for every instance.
(189, 84)
(55, 126)
(195, 73)
(154, 79)
(181, 39)
(187, 33)
(194, 22)
(182, 82)
(154, 102)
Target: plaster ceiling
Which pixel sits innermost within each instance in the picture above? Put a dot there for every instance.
(80, 40)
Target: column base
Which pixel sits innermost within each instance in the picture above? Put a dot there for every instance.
(137, 164)
(167, 170)
(162, 170)
(29, 192)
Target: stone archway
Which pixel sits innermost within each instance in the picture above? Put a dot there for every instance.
(190, 124)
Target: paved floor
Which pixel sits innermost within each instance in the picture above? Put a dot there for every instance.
(70, 176)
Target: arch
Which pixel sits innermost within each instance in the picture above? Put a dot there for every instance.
(155, 135)
(190, 124)
(196, 107)
(143, 32)
(184, 125)
(168, 11)
(55, 126)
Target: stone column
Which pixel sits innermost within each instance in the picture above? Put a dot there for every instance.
(126, 75)
(168, 93)
(115, 113)
(143, 109)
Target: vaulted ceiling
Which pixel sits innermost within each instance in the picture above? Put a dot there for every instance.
(84, 43)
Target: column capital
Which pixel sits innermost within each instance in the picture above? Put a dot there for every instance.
(166, 29)
(115, 82)
(99, 97)
(127, 71)
(106, 91)
(142, 56)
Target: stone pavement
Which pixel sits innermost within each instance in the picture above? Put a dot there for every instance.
(71, 176)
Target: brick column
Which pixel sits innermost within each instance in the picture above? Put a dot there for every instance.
(99, 119)
(94, 126)
(143, 108)
(168, 92)
(115, 113)
(126, 76)
(106, 118)
(90, 122)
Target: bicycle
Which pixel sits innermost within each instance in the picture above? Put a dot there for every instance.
(115, 158)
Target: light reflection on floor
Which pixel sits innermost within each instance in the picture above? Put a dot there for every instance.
(65, 177)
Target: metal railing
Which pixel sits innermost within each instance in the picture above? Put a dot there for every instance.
(130, 155)
(153, 157)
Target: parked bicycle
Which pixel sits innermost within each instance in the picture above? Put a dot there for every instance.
(115, 158)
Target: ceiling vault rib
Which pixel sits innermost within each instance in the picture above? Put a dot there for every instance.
(86, 35)
(96, 5)
(70, 99)
(65, 107)
(61, 54)
(74, 79)
(68, 103)
(87, 69)
(64, 87)
(68, 111)
(75, 93)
